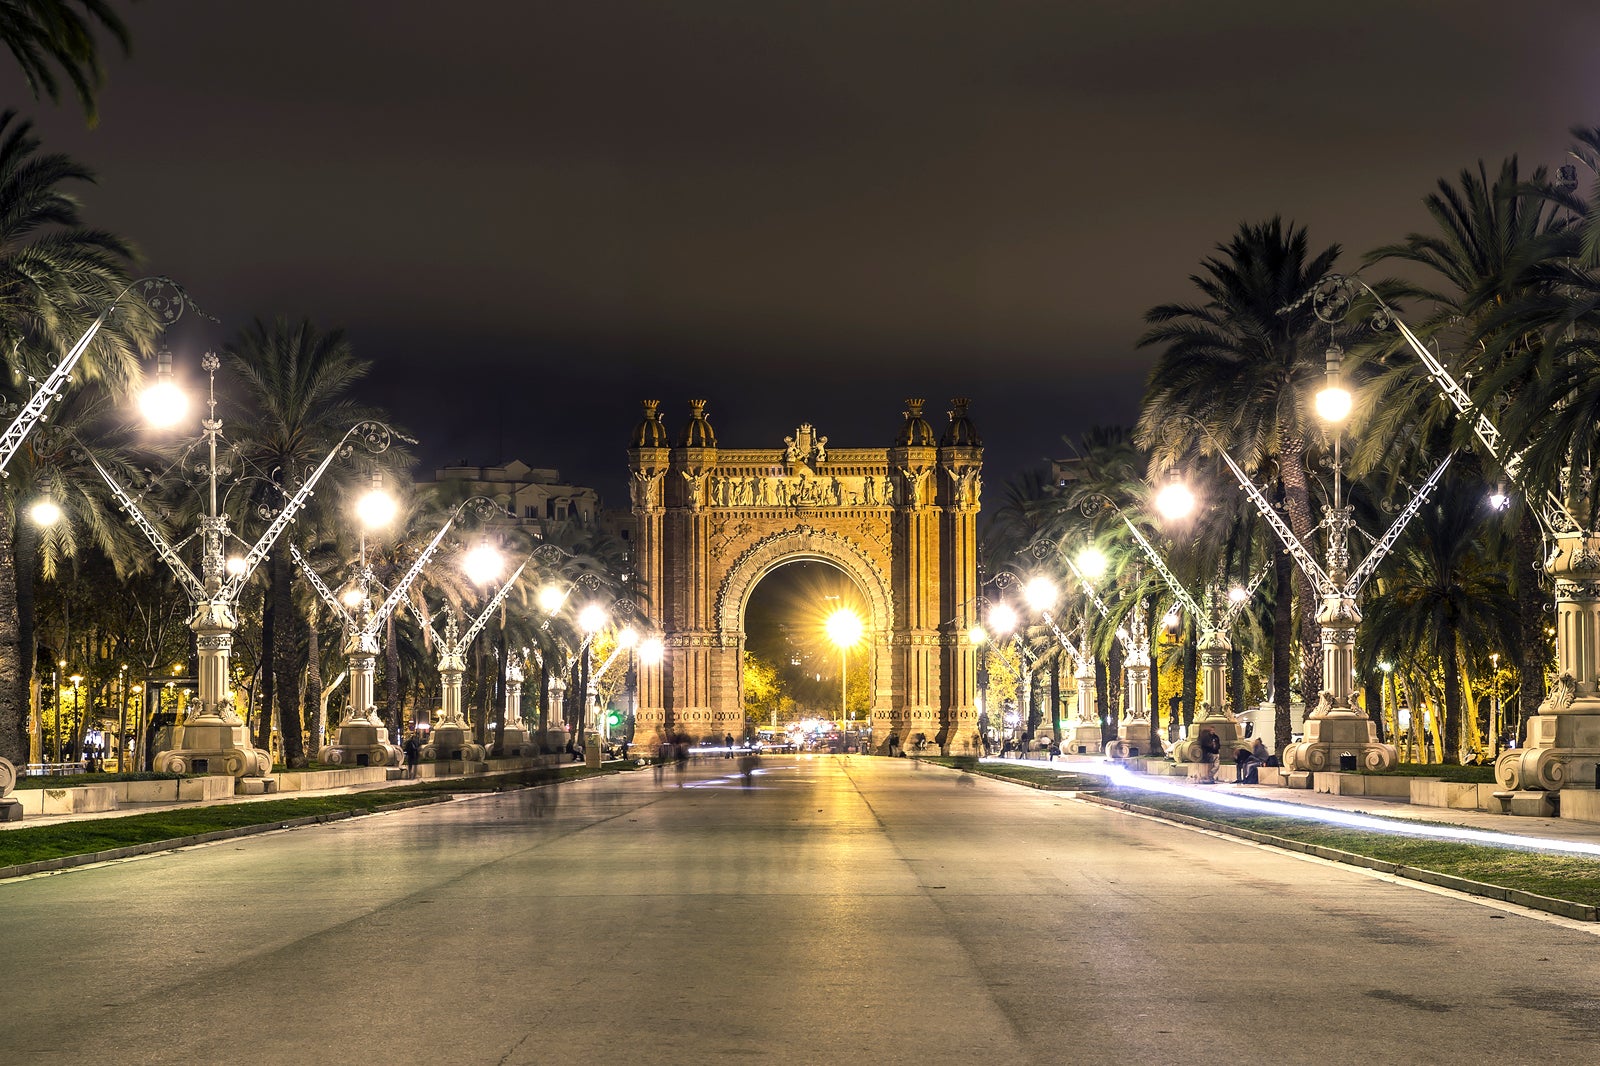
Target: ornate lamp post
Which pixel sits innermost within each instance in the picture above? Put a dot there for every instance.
(1215, 617)
(1335, 729)
(362, 738)
(451, 737)
(1004, 624)
(215, 739)
(1133, 725)
(164, 301)
(1563, 738)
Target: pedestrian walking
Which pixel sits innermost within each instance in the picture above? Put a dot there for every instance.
(413, 752)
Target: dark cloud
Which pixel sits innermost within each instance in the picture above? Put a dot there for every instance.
(535, 214)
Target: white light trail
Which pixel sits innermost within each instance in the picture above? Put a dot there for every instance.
(1146, 783)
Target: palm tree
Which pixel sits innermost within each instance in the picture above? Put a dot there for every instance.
(1490, 241)
(45, 34)
(1445, 601)
(55, 276)
(297, 404)
(1243, 364)
(54, 463)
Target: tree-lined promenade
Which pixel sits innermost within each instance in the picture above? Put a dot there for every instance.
(1450, 630)
(1455, 646)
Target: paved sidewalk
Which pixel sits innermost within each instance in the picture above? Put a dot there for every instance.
(124, 811)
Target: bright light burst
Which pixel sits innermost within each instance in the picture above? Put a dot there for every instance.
(483, 564)
(844, 627)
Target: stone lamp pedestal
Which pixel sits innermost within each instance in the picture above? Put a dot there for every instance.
(1562, 749)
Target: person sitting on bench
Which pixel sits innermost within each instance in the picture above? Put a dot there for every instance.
(1250, 771)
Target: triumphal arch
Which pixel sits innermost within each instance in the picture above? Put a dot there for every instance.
(901, 522)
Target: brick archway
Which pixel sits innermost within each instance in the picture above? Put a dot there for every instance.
(899, 521)
(805, 544)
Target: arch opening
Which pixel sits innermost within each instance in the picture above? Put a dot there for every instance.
(807, 655)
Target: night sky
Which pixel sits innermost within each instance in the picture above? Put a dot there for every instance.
(533, 215)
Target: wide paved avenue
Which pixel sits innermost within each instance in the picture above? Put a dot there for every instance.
(839, 910)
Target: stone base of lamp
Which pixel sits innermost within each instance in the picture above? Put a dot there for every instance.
(1330, 738)
(1081, 738)
(514, 741)
(213, 746)
(361, 742)
(452, 742)
(1229, 731)
(551, 741)
(1562, 751)
(10, 809)
(592, 749)
(1133, 740)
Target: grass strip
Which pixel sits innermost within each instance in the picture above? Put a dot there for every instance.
(1038, 775)
(1521, 875)
(1567, 877)
(20, 847)
(1477, 775)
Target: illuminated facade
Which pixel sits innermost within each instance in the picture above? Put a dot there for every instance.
(900, 522)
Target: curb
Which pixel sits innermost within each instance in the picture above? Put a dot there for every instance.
(1565, 908)
(67, 862)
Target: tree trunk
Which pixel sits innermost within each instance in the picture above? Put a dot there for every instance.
(287, 680)
(1236, 685)
(544, 704)
(1372, 696)
(498, 699)
(391, 677)
(13, 692)
(1191, 672)
(1297, 503)
(573, 707)
(269, 641)
(1055, 696)
(1282, 637)
(1154, 747)
(1533, 646)
(1452, 700)
(480, 719)
(315, 715)
(26, 561)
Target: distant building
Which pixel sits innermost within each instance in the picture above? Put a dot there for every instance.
(538, 496)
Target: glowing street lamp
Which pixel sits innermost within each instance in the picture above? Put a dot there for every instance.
(844, 630)
(1040, 594)
(592, 619)
(1003, 619)
(376, 509)
(214, 738)
(1175, 501)
(651, 651)
(1333, 400)
(45, 512)
(163, 404)
(483, 563)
